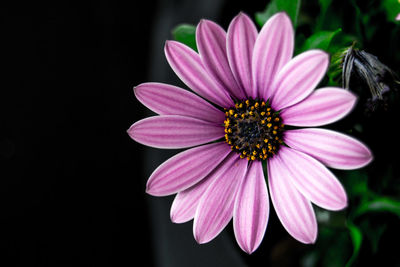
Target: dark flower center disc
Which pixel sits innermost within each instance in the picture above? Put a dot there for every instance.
(253, 129)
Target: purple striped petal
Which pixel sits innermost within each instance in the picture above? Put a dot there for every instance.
(211, 42)
(215, 209)
(322, 107)
(313, 179)
(166, 99)
(174, 131)
(294, 211)
(187, 64)
(272, 50)
(251, 211)
(185, 203)
(241, 37)
(298, 78)
(333, 149)
(186, 169)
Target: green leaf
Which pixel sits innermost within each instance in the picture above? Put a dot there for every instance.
(291, 7)
(392, 8)
(186, 34)
(379, 204)
(324, 5)
(319, 40)
(356, 238)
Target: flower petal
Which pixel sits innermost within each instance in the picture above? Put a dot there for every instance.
(294, 211)
(333, 149)
(215, 209)
(272, 50)
(211, 42)
(186, 169)
(251, 211)
(313, 179)
(174, 131)
(298, 78)
(242, 34)
(185, 203)
(166, 99)
(187, 64)
(322, 107)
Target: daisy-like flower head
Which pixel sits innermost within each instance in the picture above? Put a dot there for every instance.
(247, 89)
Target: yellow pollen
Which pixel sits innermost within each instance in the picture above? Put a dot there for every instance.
(253, 129)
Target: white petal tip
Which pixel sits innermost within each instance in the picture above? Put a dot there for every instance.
(249, 251)
(153, 191)
(200, 240)
(309, 240)
(175, 219)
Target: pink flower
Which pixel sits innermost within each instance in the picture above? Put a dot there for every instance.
(398, 17)
(247, 77)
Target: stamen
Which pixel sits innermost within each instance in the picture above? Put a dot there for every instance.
(253, 129)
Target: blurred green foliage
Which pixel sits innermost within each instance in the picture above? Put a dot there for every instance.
(185, 33)
(291, 7)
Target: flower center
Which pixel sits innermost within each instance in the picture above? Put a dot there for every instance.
(253, 129)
